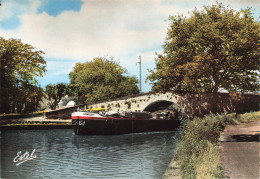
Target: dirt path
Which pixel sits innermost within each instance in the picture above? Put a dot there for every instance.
(240, 151)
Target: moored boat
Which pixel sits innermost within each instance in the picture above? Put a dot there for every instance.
(90, 123)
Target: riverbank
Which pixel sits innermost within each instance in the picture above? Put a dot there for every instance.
(173, 171)
(198, 154)
(37, 122)
(33, 126)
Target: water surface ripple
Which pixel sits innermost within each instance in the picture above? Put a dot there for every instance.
(62, 154)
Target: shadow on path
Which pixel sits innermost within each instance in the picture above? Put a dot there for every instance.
(246, 138)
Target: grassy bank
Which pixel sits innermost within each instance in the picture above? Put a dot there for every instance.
(36, 125)
(198, 152)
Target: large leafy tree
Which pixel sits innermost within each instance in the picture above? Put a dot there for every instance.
(213, 49)
(20, 65)
(101, 79)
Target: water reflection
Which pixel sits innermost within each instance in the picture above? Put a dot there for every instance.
(60, 153)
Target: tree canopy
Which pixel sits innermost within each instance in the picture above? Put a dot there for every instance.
(101, 79)
(55, 93)
(213, 49)
(20, 64)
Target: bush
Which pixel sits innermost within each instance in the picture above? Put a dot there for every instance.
(248, 117)
(200, 137)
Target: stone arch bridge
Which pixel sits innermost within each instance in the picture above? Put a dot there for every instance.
(191, 104)
(145, 102)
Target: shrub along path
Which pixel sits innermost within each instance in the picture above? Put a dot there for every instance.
(239, 151)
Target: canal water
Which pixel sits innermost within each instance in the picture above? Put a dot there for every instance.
(59, 153)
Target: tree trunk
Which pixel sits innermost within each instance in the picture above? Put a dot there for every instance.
(214, 102)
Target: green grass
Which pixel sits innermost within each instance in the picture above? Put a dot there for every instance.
(198, 151)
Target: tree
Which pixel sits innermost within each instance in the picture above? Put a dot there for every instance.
(214, 49)
(20, 64)
(55, 93)
(29, 98)
(101, 79)
(77, 92)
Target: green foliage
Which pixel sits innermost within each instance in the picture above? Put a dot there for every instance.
(20, 64)
(101, 79)
(200, 138)
(216, 48)
(198, 151)
(55, 93)
(249, 117)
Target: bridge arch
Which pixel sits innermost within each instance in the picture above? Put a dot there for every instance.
(158, 105)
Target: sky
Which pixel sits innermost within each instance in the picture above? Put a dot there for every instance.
(72, 31)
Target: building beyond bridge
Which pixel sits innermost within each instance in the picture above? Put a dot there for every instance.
(191, 104)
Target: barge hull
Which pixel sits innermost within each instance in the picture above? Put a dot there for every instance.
(122, 126)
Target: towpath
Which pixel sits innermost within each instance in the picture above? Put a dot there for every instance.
(35, 119)
(240, 149)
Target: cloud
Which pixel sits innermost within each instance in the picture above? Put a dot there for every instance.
(10, 8)
(101, 27)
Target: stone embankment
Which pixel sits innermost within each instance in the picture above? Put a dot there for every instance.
(173, 171)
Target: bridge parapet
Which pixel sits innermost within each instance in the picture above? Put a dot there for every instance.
(136, 104)
(192, 104)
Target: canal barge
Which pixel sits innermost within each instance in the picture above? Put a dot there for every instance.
(90, 123)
